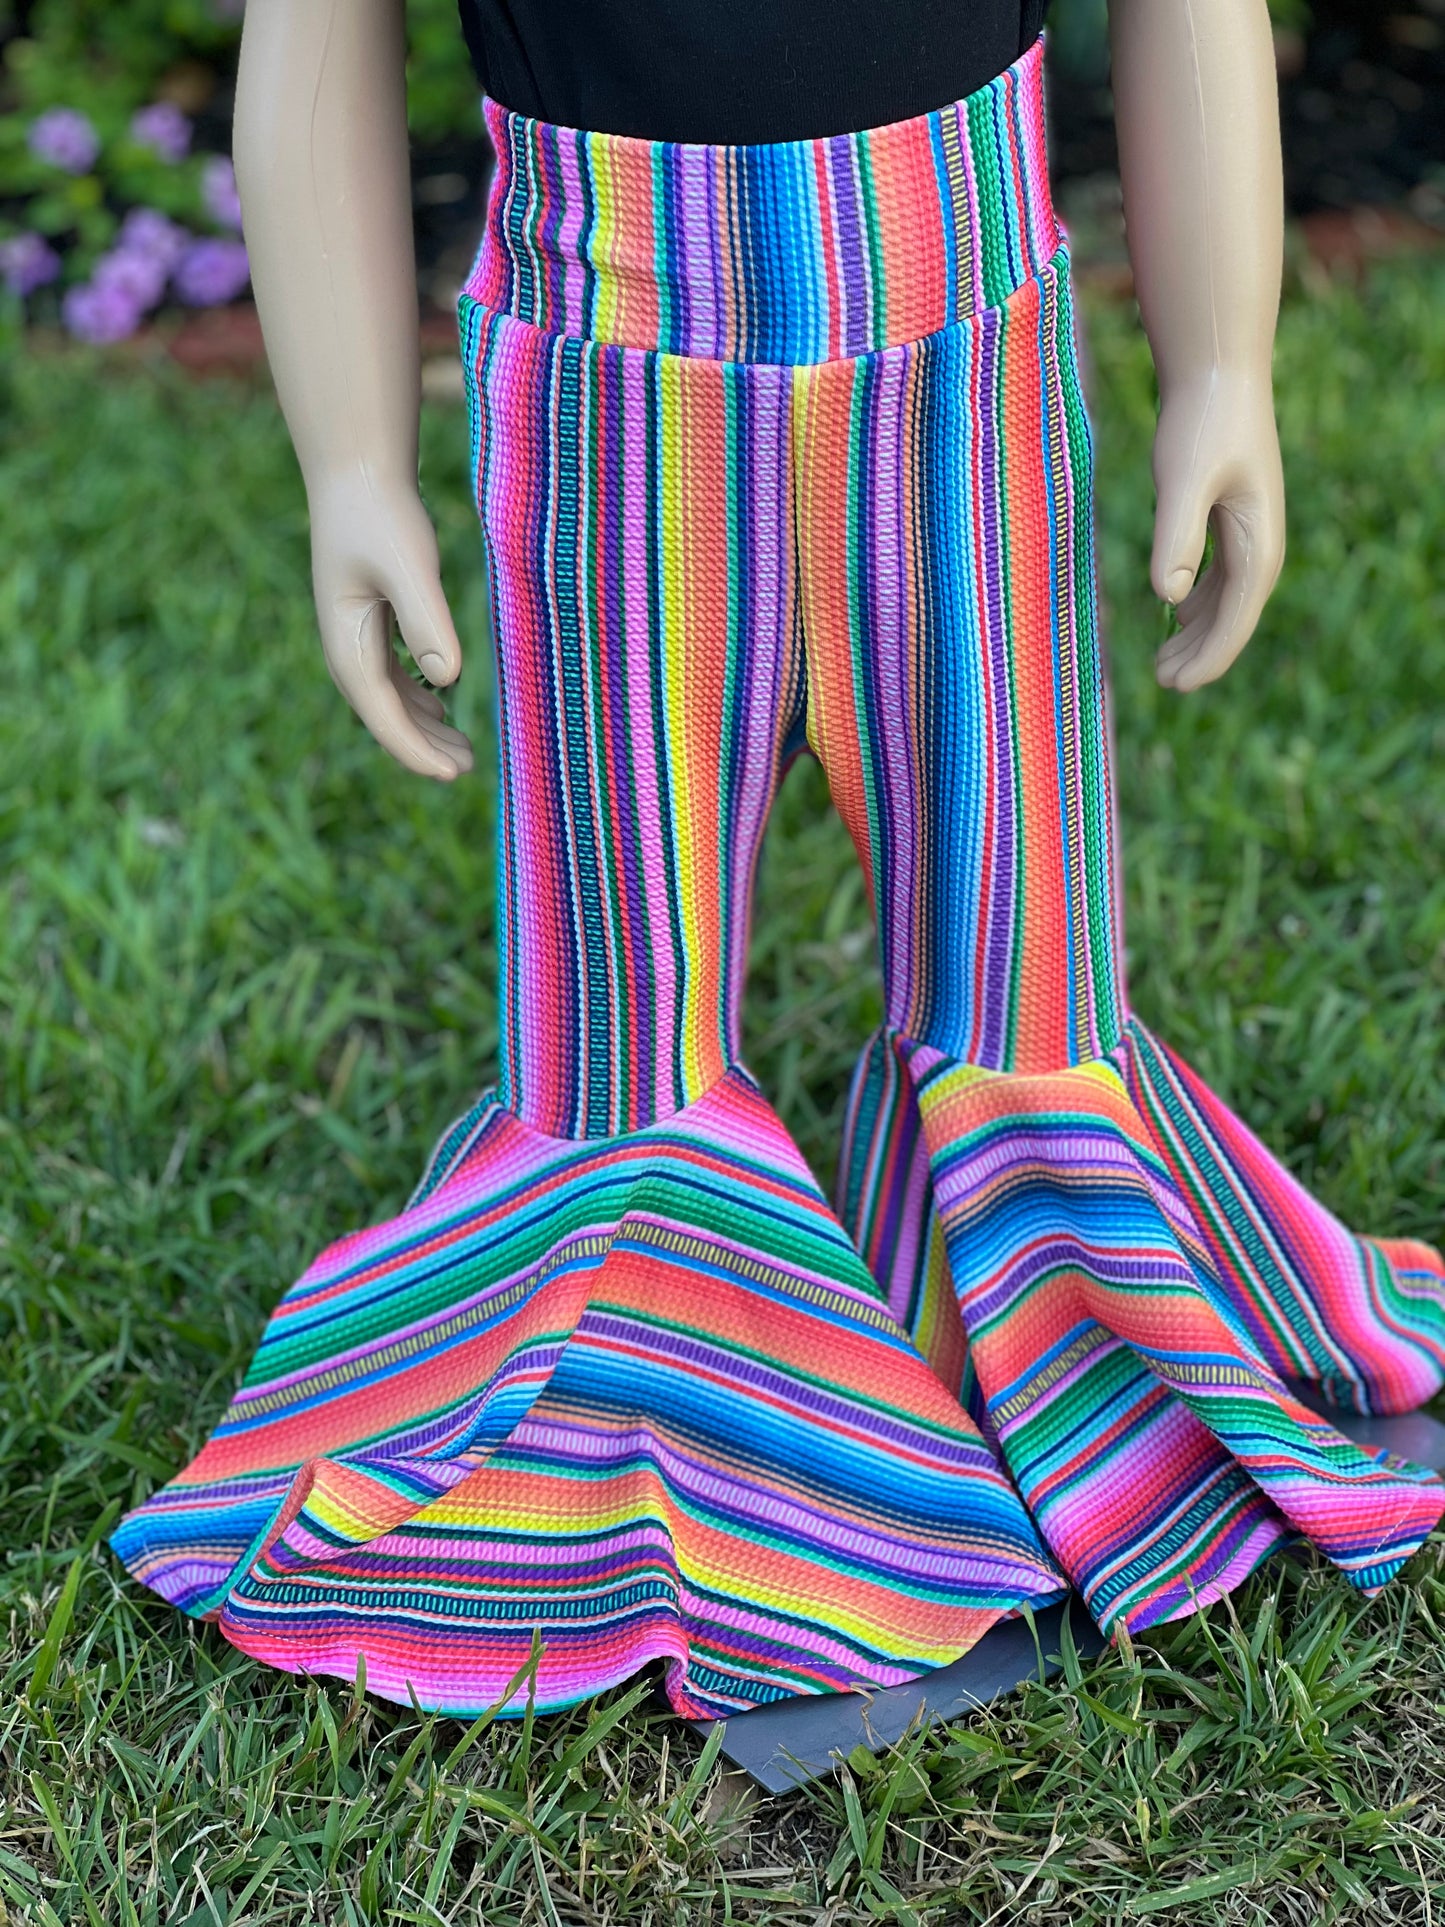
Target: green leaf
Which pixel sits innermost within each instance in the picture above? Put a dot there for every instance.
(56, 1628)
(1227, 1881)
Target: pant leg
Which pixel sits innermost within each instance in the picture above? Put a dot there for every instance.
(649, 669)
(1133, 1278)
(616, 1377)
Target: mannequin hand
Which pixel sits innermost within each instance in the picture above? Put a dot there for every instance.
(1216, 464)
(374, 558)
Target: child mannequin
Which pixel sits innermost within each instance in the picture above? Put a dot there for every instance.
(617, 1374)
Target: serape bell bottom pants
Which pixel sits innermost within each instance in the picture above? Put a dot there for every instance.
(777, 448)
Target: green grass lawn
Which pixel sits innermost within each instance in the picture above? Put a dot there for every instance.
(246, 976)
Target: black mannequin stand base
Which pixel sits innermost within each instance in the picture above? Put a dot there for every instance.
(785, 1745)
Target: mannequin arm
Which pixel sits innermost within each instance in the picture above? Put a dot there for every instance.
(323, 171)
(1198, 124)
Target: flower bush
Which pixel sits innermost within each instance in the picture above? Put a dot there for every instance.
(116, 187)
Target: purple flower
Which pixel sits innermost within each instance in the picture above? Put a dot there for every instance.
(145, 230)
(64, 137)
(27, 262)
(99, 314)
(140, 277)
(227, 9)
(212, 271)
(218, 191)
(163, 128)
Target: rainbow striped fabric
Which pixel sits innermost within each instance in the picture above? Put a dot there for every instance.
(780, 444)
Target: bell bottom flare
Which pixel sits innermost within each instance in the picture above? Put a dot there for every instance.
(774, 443)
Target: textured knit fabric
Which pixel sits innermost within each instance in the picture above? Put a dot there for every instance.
(794, 253)
(769, 443)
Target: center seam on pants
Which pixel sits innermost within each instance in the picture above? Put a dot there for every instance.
(799, 706)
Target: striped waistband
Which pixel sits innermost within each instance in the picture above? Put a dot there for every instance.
(787, 252)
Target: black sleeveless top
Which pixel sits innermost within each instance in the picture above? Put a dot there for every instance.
(740, 71)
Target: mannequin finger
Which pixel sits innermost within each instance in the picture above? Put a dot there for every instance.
(452, 744)
(422, 698)
(1215, 637)
(1182, 671)
(446, 738)
(426, 706)
(1196, 612)
(389, 721)
(429, 714)
(448, 741)
(1249, 552)
(426, 625)
(1181, 521)
(1197, 615)
(1187, 638)
(1179, 654)
(1224, 644)
(360, 657)
(1205, 591)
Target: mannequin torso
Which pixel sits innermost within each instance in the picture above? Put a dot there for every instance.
(760, 70)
